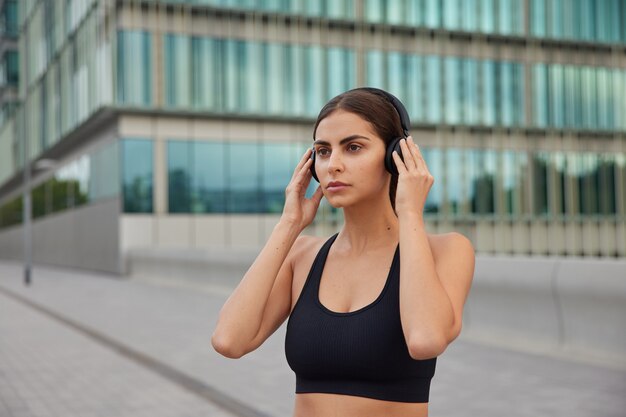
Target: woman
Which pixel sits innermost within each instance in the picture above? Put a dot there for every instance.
(366, 319)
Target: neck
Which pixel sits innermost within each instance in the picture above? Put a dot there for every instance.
(370, 225)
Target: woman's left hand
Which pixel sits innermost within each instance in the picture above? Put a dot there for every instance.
(414, 180)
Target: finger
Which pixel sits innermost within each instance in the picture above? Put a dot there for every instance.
(317, 195)
(399, 162)
(419, 158)
(306, 157)
(409, 158)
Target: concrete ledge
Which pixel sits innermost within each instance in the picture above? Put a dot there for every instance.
(569, 307)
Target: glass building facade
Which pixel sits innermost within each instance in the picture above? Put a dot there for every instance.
(521, 104)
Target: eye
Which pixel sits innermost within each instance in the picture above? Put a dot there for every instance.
(353, 147)
(322, 152)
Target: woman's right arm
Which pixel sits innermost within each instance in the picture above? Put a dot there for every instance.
(246, 319)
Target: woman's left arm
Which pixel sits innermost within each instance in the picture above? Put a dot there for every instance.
(433, 286)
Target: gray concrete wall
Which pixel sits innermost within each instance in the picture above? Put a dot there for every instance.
(565, 307)
(86, 237)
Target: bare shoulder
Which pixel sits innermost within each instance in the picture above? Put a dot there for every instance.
(304, 248)
(450, 243)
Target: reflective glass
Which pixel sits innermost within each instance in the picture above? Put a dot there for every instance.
(487, 16)
(243, 178)
(559, 164)
(276, 61)
(179, 176)
(415, 94)
(455, 175)
(539, 186)
(434, 162)
(254, 79)
(607, 183)
(208, 184)
(510, 183)
(375, 69)
(433, 89)
(176, 61)
(470, 91)
(395, 12)
(432, 13)
(488, 93)
(589, 97)
(137, 174)
(374, 11)
(538, 18)
(396, 75)
(570, 90)
(204, 55)
(340, 71)
(453, 99)
(451, 14)
(294, 81)
(104, 172)
(555, 88)
(483, 182)
(134, 69)
(314, 73)
(278, 163)
(505, 89)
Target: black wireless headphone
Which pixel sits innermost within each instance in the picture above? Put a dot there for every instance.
(394, 145)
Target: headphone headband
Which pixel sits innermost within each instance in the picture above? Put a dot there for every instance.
(395, 102)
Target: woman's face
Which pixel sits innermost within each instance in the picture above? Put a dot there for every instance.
(349, 160)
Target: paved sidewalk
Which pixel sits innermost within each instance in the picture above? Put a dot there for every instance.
(98, 345)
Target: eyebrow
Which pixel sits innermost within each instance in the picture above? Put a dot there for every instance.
(342, 141)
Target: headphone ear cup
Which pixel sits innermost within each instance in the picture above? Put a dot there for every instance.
(313, 166)
(390, 164)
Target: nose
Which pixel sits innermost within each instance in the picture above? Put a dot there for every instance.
(335, 163)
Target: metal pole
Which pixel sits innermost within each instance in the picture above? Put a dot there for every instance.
(27, 202)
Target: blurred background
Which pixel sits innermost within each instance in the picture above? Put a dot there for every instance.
(158, 138)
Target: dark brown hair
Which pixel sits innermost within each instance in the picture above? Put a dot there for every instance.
(374, 108)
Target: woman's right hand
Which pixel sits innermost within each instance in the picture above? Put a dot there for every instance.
(300, 211)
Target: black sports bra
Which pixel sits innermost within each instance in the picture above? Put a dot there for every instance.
(362, 352)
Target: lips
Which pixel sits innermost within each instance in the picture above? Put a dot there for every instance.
(336, 185)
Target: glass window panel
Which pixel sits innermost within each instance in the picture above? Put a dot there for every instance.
(540, 95)
(589, 97)
(137, 174)
(374, 11)
(518, 95)
(415, 13)
(559, 164)
(340, 73)
(178, 176)
(434, 162)
(607, 184)
(451, 14)
(604, 99)
(469, 15)
(104, 172)
(396, 75)
(243, 178)
(538, 18)
(505, 17)
(294, 80)
(454, 180)
(482, 182)
(555, 19)
(314, 74)
(375, 69)
(433, 89)
(488, 93)
(589, 183)
(555, 77)
(453, 100)
(276, 68)
(539, 187)
(511, 183)
(204, 76)
(415, 88)
(232, 66)
(395, 12)
(278, 165)
(176, 63)
(569, 81)
(134, 79)
(505, 89)
(432, 13)
(470, 91)
(487, 16)
(208, 184)
(586, 19)
(254, 75)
